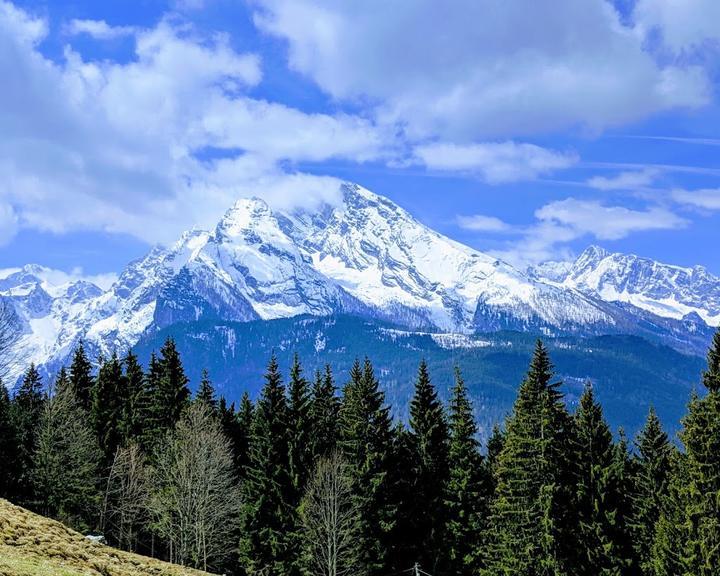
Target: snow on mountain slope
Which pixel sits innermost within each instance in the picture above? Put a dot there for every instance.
(662, 289)
(365, 256)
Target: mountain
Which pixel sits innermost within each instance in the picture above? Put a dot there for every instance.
(662, 289)
(361, 257)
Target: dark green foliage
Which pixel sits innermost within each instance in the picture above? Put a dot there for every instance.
(699, 490)
(108, 408)
(467, 494)
(430, 435)
(9, 471)
(527, 536)
(366, 442)
(300, 428)
(172, 393)
(206, 393)
(28, 405)
(599, 472)
(133, 409)
(81, 377)
(268, 512)
(324, 413)
(651, 489)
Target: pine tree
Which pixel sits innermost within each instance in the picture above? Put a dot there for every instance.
(65, 462)
(149, 409)
(301, 428)
(596, 496)
(494, 448)
(430, 433)
(366, 442)
(28, 405)
(132, 415)
(81, 377)
(206, 393)
(172, 393)
(268, 490)
(108, 408)
(700, 492)
(528, 512)
(242, 441)
(324, 413)
(467, 495)
(8, 446)
(651, 489)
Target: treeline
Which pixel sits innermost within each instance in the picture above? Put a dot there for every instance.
(310, 479)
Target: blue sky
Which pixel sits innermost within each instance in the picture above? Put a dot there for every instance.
(526, 129)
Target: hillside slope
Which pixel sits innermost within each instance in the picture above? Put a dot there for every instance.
(31, 545)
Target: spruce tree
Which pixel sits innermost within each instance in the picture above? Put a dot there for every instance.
(300, 428)
(149, 409)
(28, 405)
(108, 408)
(172, 393)
(8, 446)
(133, 416)
(81, 377)
(700, 492)
(324, 412)
(430, 433)
(241, 448)
(651, 489)
(528, 514)
(596, 493)
(206, 393)
(366, 442)
(467, 495)
(268, 511)
(403, 549)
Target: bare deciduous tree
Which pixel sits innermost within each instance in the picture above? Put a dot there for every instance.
(127, 497)
(195, 498)
(66, 461)
(330, 520)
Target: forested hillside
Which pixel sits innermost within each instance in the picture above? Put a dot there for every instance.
(316, 477)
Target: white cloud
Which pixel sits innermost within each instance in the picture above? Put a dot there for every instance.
(683, 24)
(708, 198)
(99, 29)
(561, 222)
(477, 69)
(607, 222)
(495, 162)
(483, 223)
(630, 180)
(127, 147)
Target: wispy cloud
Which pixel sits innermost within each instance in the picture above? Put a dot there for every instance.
(483, 223)
(708, 198)
(494, 162)
(631, 180)
(99, 29)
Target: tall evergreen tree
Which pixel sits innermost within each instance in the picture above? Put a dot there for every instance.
(366, 441)
(528, 513)
(268, 489)
(430, 433)
(651, 487)
(597, 497)
(700, 492)
(206, 393)
(324, 413)
(108, 408)
(301, 428)
(28, 405)
(133, 416)
(467, 495)
(9, 472)
(81, 377)
(172, 393)
(149, 409)
(241, 446)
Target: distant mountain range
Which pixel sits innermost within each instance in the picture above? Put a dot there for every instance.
(365, 258)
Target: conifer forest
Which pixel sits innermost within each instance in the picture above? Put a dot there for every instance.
(315, 477)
